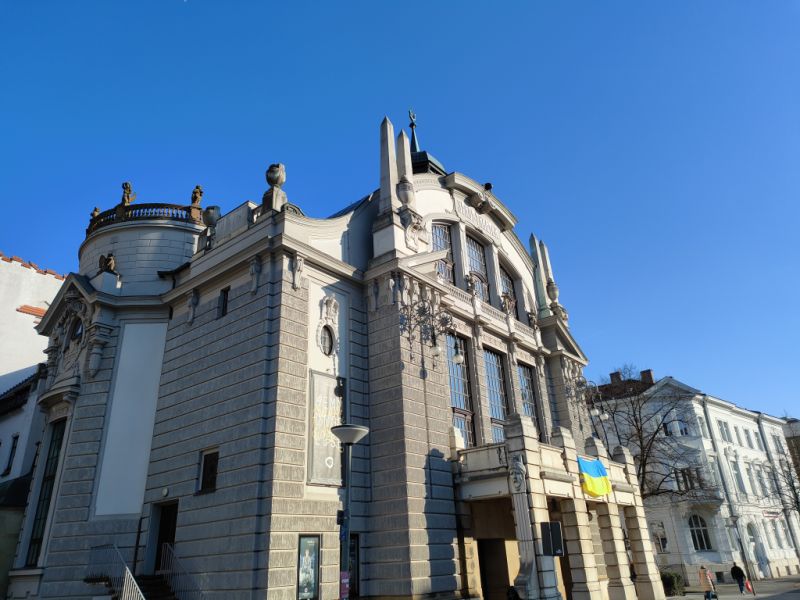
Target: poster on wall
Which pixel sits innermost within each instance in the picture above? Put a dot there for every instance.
(324, 456)
(308, 568)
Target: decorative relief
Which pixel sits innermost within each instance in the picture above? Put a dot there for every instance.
(69, 339)
(298, 264)
(327, 330)
(255, 273)
(99, 336)
(517, 473)
(192, 300)
(480, 222)
(414, 229)
(324, 466)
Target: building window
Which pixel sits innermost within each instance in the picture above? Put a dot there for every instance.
(777, 534)
(762, 480)
(786, 534)
(703, 428)
(495, 384)
(737, 475)
(460, 396)
(440, 240)
(667, 429)
(11, 454)
(759, 445)
(476, 261)
(738, 435)
(748, 438)
(725, 431)
(699, 531)
(551, 394)
(326, 340)
(778, 444)
(507, 287)
(528, 390)
(683, 427)
(222, 302)
(209, 463)
(45, 493)
(751, 479)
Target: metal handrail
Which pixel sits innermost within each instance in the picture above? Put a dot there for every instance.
(106, 564)
(183, 585)
(133, 212)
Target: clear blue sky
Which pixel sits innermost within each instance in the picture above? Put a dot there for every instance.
(654, 146)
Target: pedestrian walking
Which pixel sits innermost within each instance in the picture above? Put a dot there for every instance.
(706, 583)
(738, 575)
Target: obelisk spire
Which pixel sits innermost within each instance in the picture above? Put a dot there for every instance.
(413, 125)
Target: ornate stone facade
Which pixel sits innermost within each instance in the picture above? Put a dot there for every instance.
(281, 326)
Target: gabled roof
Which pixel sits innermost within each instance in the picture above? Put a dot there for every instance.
(567, 343)
(72, 282)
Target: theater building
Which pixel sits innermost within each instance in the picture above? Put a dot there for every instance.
(194, 376)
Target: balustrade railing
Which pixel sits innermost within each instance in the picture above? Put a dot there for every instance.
(107, 565)
(183, 585)
(133, 212)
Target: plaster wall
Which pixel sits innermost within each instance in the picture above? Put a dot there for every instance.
(133, 404)
(21, 348)
(141, 249)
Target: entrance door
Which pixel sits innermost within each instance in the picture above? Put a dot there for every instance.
(494, 569)
(167, 523)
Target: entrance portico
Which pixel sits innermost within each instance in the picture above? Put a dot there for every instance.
(541, 483)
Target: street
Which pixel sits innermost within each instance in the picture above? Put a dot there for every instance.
(787, 588)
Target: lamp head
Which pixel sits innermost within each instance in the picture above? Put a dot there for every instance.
(350, 434)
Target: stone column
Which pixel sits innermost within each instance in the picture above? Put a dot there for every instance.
(620, 586)
(648, 578)
(577, 534)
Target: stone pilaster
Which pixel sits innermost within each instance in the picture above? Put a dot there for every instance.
(648, 578)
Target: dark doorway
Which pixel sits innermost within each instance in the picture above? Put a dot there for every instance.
(167, 523)
(494, 569)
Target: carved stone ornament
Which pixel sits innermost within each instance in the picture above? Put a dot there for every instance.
(99, 336)
(128, 195)
(298, 264)
(414, 231)
(70, 336)
(197, 195)
(509, 303)
(552, 290)
(108, 264)
(95, 212)
(192, 300)
(275, 198)
(255, 273)
(328, 327)
(517, 472)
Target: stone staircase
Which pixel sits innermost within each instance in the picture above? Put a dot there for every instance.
(155, 587)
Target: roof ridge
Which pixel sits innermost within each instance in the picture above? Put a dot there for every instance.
(31, 265)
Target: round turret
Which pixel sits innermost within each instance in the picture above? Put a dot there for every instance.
(135, 241)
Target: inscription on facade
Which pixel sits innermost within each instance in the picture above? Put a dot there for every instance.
(324, 457)
(481, 223)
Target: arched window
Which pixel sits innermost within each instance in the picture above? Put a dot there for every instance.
(476, 261)
(699, 531)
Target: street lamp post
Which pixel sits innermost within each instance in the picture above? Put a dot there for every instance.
(348, 435)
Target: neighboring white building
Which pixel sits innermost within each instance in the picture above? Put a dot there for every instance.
(25, 294)
(727, 493)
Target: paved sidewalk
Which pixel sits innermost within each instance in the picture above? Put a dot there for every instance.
(787, 588)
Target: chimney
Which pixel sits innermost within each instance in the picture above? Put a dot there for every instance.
(647, 376)
(616, 377)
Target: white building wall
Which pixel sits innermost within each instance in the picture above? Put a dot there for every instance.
(126, 454)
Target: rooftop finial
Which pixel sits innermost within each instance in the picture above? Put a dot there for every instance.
(414, 142)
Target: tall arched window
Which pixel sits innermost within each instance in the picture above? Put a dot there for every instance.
(441, 241)
(699, 531)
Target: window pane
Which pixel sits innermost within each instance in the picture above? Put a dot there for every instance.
(45, 493)
(476, 259)
(495, 385)
(460, 397)
(440, 240)
(507, 284)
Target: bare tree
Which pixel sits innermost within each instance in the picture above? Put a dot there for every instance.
(788, 484)
(655, 425)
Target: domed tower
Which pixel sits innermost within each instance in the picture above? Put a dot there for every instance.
(106, 330)
(136, 242)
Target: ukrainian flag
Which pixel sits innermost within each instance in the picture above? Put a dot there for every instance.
(594, 477)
